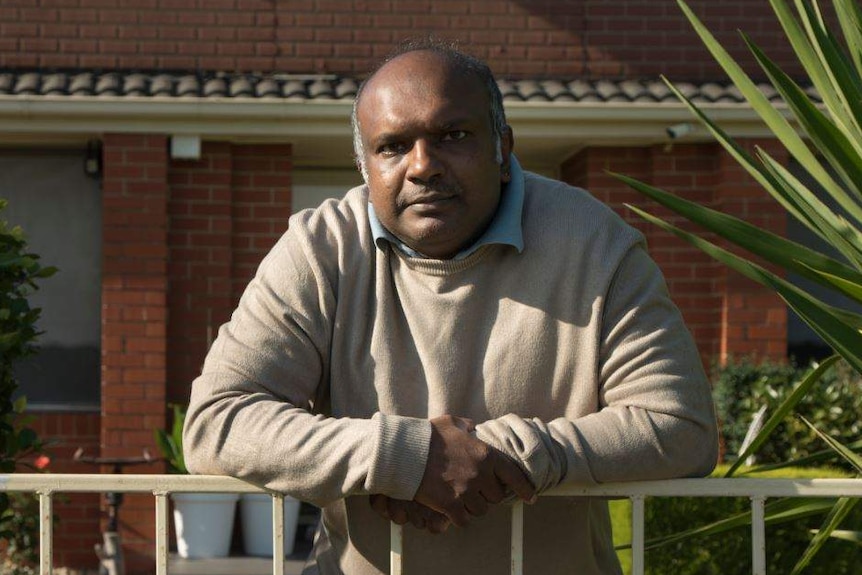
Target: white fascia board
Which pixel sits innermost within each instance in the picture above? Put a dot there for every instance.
(255, 119)
(217, 118)
(628, 123)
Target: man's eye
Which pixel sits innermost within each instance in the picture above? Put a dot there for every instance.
(392, 149)
(455, 135)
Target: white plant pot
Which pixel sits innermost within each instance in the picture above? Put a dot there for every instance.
(204, 523)
(256, 515)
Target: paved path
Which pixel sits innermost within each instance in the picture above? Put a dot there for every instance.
(239, 565)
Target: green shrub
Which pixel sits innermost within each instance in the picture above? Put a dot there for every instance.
(19, 444)
(729, 553)
(742, 386)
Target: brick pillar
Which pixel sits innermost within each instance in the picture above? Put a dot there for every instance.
(77, 527)
(692, 276)
(201, 263)
(134, 312)
(261, 205)
(689, 273)
(754, 319)
(226, 211)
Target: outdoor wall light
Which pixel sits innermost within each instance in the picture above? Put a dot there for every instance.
(679, 130)
(93, 158)
(185, 147)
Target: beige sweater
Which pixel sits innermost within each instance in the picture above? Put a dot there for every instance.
(571, 355)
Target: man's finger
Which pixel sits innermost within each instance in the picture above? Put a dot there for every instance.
(475, 505)
(379, 503)
(493, 491)
(397, 511)
(511, 476)
(416, 514)
(437, 523)
(457, 514)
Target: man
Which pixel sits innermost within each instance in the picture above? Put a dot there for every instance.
(450, 336)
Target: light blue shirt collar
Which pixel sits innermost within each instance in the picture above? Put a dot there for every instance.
(505, 228)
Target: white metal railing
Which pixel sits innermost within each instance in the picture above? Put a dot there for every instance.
(758, 490)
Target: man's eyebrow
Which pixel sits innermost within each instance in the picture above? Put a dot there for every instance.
(385, 137)
(458, 121)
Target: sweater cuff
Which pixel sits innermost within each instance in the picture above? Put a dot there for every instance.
(400, 455)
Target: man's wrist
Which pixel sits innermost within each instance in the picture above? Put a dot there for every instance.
(400, 455)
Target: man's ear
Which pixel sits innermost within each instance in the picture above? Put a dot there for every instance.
(507, 144)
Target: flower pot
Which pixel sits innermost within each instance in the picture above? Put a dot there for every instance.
(204, 523)
(256, 516)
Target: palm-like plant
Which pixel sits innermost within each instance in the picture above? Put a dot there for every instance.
(827, 134)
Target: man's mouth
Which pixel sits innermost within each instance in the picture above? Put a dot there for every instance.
(431, 200)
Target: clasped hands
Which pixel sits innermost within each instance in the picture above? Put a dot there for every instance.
(462, 478)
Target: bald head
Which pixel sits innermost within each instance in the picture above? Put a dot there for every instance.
(461, 67)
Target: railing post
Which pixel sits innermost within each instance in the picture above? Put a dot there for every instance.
(277, 534)
(396, 538)
(46, 533)
(518, 538)
(161, 533)
(637, 534)
(758, 536)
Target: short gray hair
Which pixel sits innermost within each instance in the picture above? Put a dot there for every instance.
(461, 62)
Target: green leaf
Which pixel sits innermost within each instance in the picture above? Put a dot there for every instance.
(843, 338)
(836, 515)
(840, 448)
(761, 105)
(833, 228)
(810, 49)
(846, 535)
(772, 247)
(852, 289)
(832, 142)
(784, 409)
(46, 272)
(778, 511)
(817, 457)
(26, 438)
(800, 202)
(20, 404)
(850, 19)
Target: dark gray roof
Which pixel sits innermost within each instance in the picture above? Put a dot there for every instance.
(296, 87)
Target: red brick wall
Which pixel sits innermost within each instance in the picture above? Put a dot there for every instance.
(597, 38)
(200, 261)
(261, 206)
(226, 211)
(752, 319)
(726, 313)
(134, 317)
(77, 528)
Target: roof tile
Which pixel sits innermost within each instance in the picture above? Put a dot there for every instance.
(327, 87)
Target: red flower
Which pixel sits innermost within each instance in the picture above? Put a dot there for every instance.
(42, 462)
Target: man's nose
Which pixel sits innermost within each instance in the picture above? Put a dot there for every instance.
(424, 163)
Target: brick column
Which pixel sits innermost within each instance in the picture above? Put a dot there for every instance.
(689, 273)
(226, 211)
(134, 312)
(754, 319)
(692, 276)
(201, 262)
(261, 205)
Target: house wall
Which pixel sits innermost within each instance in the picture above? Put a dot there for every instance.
(726, 313)
(533, 38)
(181, 238)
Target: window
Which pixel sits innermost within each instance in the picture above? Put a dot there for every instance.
(59, 209)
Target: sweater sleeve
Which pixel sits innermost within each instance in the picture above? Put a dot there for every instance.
(258, 410)
(655, 418)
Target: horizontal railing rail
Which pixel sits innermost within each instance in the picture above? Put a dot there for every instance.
(45, 486)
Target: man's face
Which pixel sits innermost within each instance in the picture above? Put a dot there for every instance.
(430, 154)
